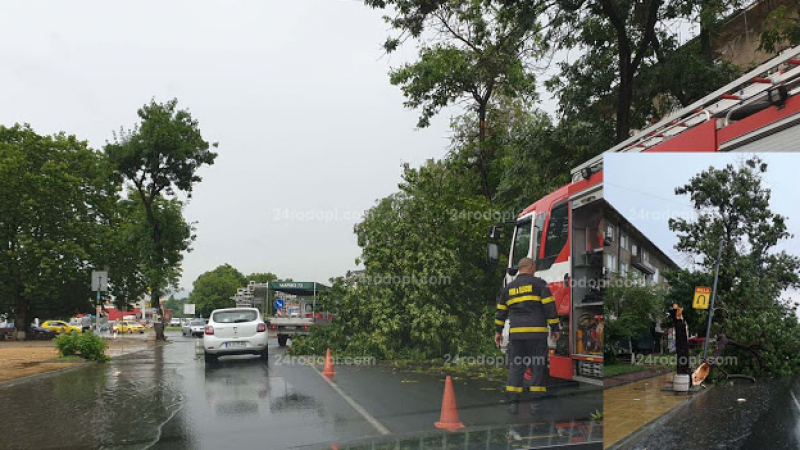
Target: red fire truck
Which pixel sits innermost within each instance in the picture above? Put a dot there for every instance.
(564, 231)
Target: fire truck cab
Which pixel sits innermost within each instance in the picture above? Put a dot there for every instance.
(562, 232)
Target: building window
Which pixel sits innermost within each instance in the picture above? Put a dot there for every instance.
(623, 269)
(623, 240)
(611, 262)
(609, 232)
(655, 276)
(634, 249)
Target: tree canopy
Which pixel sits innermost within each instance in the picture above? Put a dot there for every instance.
(56, 197)
(733, 207)
(158, 157)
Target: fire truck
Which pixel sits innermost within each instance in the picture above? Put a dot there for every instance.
(564, 231)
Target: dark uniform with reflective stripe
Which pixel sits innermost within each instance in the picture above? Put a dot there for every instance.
(531, 310)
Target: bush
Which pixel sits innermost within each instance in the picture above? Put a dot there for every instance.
(88, 345)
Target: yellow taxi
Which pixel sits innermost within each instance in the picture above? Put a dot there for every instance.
(128, 327)
(59, 326)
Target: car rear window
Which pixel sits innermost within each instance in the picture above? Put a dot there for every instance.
(235, 316)
(197, 322)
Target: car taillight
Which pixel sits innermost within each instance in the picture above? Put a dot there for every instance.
(261, 327)
(305, 328)
(273, 327)
(210, 330)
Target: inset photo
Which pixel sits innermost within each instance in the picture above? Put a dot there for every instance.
(702, 330)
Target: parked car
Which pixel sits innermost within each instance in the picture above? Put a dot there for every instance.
(235, 331)
(42, 333)
(127, 327)
(194, 327)
(60, 326)
(175, 322)
(6, 330)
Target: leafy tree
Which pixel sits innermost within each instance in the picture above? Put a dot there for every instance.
(632, 57)
(631, 307)
(159, 157)
(427, 290)
(54, 198)
(176, 305)
(214, 289)
(734, 209)
(264, 277)
(781, 29)
(470, 51)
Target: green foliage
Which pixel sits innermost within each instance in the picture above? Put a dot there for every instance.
(55, 197)
(630, 307)
(781, 29)
(158, 157)
(427, 290)
(733, 207)
(627, 60)
(88, 345)
(214, 289)
(474, 49)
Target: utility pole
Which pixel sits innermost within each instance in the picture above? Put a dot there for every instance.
(713, 297)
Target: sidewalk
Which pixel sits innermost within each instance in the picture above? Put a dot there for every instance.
(630, 407)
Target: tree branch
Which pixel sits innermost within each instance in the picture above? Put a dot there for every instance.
(456, 34)
(649, 34)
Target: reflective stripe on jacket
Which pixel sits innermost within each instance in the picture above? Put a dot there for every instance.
(527, 303)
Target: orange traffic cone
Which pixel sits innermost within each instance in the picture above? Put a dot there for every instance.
(449, 417)
(328, 369)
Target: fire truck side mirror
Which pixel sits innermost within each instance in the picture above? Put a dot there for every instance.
(512, 271)
(492, 253)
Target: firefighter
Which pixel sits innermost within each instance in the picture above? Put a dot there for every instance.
(531, 310)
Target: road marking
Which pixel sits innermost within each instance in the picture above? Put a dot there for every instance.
(366, 415)
(795, 399)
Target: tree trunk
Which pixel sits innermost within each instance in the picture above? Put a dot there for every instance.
(21, 316)
(630, 348)
(706, 22)
(482, 159)
(624, 104)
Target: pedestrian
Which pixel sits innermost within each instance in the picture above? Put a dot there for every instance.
(86, 323)
(531, 311)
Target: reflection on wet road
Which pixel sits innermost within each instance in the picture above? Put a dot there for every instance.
(166, 398)
(745, 416)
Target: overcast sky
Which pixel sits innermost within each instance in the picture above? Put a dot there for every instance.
(641, 187)
(296, 92)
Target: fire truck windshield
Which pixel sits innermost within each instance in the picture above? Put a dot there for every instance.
(522, 242)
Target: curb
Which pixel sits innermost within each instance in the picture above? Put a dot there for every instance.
(52, 373)
(631, 440)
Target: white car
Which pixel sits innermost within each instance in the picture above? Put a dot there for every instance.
(194, 327)
(235, 331)
(175, 322)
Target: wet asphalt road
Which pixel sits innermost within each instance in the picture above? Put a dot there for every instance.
(166, 398)
(768, 418)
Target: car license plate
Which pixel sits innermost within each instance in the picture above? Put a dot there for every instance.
(235, 344)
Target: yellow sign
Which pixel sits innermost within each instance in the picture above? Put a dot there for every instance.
(702, 296)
